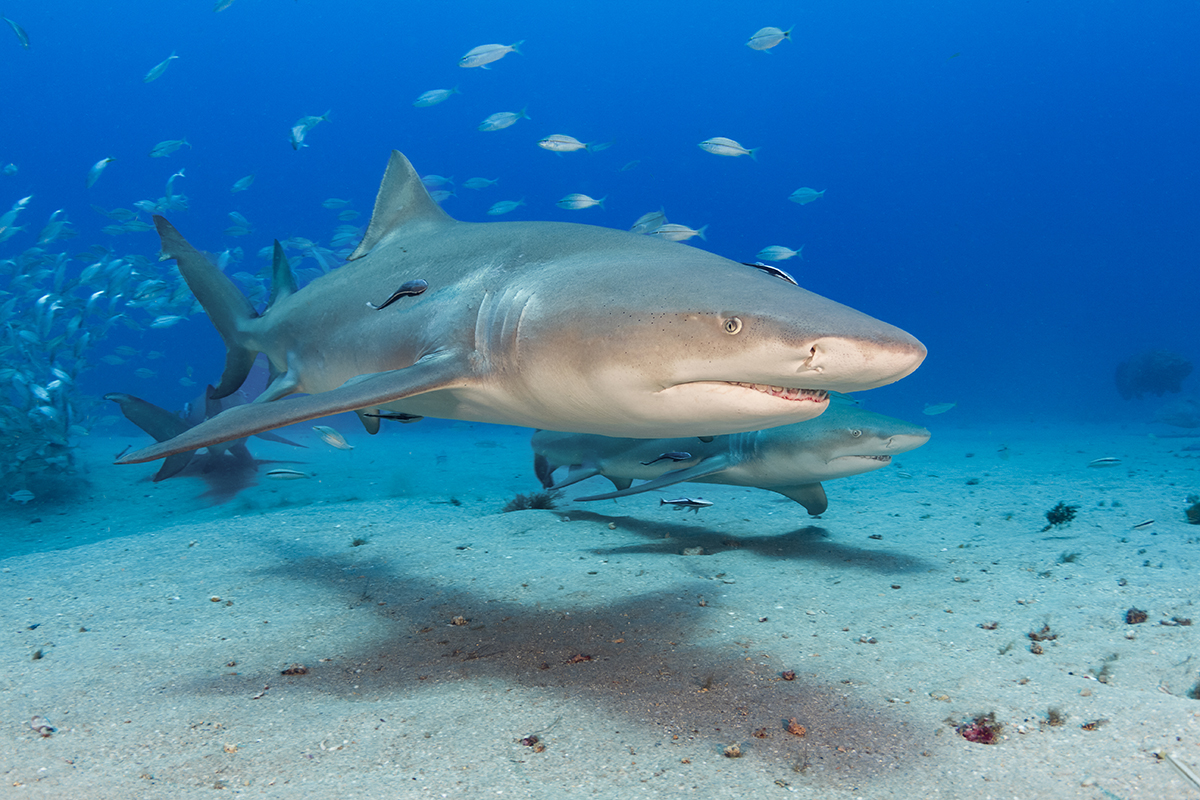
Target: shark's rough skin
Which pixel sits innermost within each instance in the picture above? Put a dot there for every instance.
(792, 460)
(540, 324)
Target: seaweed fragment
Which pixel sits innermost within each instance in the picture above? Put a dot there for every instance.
(1060, 515)
(533, 500)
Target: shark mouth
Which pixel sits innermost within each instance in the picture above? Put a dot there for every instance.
(787, 393)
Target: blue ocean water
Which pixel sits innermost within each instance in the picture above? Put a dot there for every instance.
(1013, 183)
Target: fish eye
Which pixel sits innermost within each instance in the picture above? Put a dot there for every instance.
(855, 432)
(733, 325)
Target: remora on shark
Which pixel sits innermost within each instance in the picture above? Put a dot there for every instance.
(792, 460)
(546, 325)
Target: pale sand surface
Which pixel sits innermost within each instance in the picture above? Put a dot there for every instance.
(163, 695)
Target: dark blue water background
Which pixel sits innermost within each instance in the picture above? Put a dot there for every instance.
(1013, 182)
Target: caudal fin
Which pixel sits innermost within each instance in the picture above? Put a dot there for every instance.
(227, 307)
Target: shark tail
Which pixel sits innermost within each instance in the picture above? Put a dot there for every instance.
(229, 309)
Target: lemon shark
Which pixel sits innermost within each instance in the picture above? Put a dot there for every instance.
(540, 324)
(792, 460)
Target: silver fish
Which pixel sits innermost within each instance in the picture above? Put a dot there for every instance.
(650, 221)
(777, 252)
(561, 143)
(158, 69)
(806, 195)
(768, 37)
(501, 120)
(332, 438)
(480, 183)
(168, 146)
(487, 53)
(22, 36)
(434, 96)
(576, 201)
(937, 408)
(242, 184)
(722, 146)
(97, 170)
(505, 206)
(673, 232)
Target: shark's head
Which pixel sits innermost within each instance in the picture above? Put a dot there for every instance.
(696, 344)
(845, 440)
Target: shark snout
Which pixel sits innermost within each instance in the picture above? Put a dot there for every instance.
(848, 364)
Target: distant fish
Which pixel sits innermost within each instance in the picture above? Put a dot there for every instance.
(22, 36)
(287, 475)
(1143, 525)
(434, 96)
(631, 165)
(144, 373)
(438, 196)
(10, 169)
(649, 222)
(487, 53)
(768, 37)
(158, 69)
(561, 143)
(576, 201)
(1108, 461)
(778, 253)
(335, 202)
(242, 184)
(937, 408)
(347, 214)
(721, 146)
(805, 195)
(479, 183)
(678, 233)
(168, 146)
(167, 320)
(505, 206)
(97, 170)
(21, 496)
(332, 438)
(434, 181)
(501, 120)
(689, 503)
(222, 5)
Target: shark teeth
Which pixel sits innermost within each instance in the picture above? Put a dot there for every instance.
(787, 393)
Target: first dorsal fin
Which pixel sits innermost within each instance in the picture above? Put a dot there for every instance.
(402, 199)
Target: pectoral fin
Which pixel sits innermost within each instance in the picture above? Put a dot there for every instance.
(431, 373)
(809, 495)
(708, 466)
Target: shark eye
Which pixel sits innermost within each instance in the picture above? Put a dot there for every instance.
(733, 325)
(855, 432)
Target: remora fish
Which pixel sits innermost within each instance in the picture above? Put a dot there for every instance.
(540, 324)
(792, 460)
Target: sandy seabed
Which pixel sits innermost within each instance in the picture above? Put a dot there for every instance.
(464, 652)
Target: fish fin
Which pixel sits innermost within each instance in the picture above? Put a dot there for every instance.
(227, 307)
(275, 437)
(370, 424)
(517, 44)
(809, 495)
(283, 281)
(402, 200)
(156, 421)
(753, 151)
(621, 483)
(700, 232)
(708, 466)
(544, 470)
(173, 466)
(429, 374)
(575, 474)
